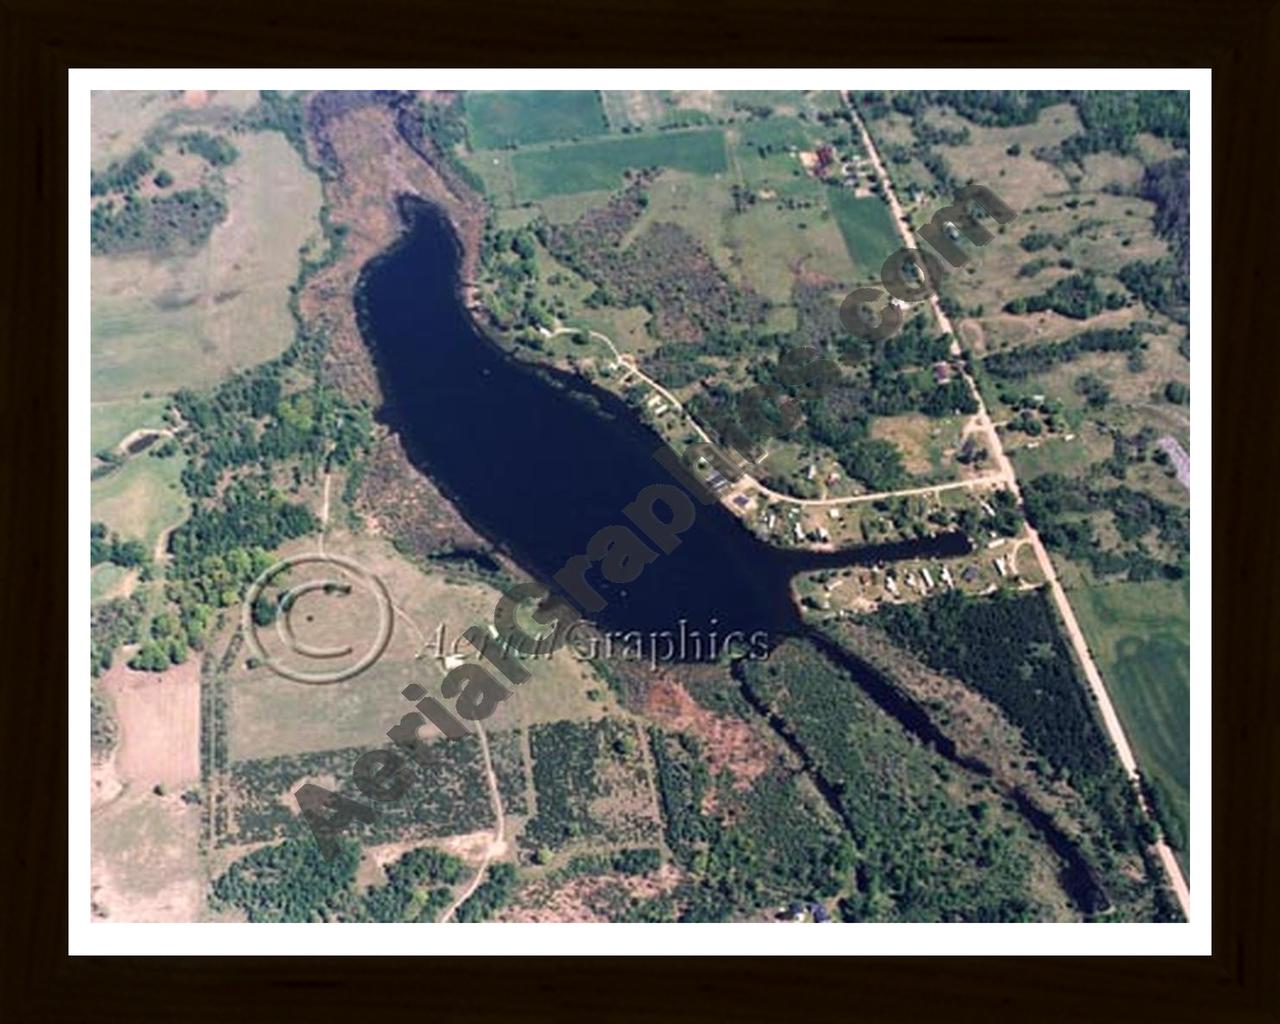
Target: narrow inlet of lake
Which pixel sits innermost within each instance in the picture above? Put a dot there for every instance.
(539, 460)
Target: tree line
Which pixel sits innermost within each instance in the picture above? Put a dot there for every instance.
(1028, 360)
(107, 546)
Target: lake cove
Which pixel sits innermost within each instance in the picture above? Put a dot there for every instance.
(543, 464)
(540, 461)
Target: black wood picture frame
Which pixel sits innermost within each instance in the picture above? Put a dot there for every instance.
(39, 41)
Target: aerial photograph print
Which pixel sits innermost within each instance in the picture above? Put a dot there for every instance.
(605, 506)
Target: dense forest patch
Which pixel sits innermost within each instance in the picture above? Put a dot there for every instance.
(447, 794)
(664, 269)
(591, 783)
(923, 851)
(744, 851)
(1008, 647)
(161, 224)
(292, 881)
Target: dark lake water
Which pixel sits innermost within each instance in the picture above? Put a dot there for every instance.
(538, 461)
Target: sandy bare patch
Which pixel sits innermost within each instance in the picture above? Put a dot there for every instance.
(727, 742)
(286, 798)
(474, 847)
(374, 860)
(698, 99)
(138, 435)
(585, 899)
(179, 902)
(146, 863)
(104, 783)
(972, 334)
(159, 715)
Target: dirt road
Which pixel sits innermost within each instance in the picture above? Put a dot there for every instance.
(499, 832)
(749, 483)
(498, 843)
(1005, 471)
(978, 481)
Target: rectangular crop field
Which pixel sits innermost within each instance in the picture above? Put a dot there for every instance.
(1140, 633)
(498, 119)
(867, 227)
(599, 164)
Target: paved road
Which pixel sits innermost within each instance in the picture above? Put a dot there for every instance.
(1109, 717)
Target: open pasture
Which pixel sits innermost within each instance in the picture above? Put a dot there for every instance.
(269, 715)
(599, 164)
(1140, 633)
(867, 228)
(499, 119)
(141, 499)
(161, 324)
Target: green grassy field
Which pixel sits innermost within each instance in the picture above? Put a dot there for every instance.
(1140, 634)
(591, 166)
(767, 155)
(493, 167)
(867, 227)
(105, 580)
(769, 241)
(141, 499)
(497, 119)
(1052, 455)
(112, 422)
(775, 131)
(926, 442)
(160, 324)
